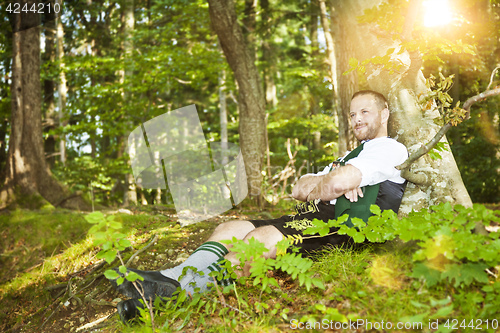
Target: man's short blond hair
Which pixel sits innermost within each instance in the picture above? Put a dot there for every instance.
(380, 99)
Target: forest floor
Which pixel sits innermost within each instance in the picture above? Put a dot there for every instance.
(51, 281)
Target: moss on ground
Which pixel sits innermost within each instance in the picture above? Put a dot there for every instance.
(51, 281)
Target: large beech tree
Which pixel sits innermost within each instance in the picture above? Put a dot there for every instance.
(410, 123)
(28, 178)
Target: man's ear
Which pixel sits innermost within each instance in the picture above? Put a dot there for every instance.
(385, 115)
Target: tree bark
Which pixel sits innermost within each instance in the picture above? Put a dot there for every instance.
(251, 99)
(348, 83)
(332, 63)
(410, 123)
(49, 117)
(61, 88)
(130, 195)
(29, 182)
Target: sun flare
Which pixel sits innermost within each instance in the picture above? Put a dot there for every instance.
(437, 12)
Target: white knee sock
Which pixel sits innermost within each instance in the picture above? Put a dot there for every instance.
(207, 254)
(199, 282)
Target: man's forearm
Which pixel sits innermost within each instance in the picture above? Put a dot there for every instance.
(304, 186)
(336, 183)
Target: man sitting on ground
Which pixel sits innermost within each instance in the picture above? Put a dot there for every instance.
(365, 176)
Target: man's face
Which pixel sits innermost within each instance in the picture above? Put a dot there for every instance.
(367, 121)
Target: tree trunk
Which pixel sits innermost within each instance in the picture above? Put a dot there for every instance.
(49, 119)
(251, 100)
(348, 84)
(61, 88)
(130, 195)
(409, 123)
(332, 63)
(29, 181)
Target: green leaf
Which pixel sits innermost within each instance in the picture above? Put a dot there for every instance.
(466, 273)
(353, 62)
(359, 238)
(318, 283)
(431, 276)
(111, 274)
(125, 243)
(375, 210)
(94, 217)
(109, 256)
(115, 225)
(107, 245)
(443, 312)
(357, 222)
(133, 276)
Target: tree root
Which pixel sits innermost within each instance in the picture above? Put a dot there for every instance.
(155, 238)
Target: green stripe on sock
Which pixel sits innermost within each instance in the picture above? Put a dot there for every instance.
(221, 248)
(209, 250)
(214, 247)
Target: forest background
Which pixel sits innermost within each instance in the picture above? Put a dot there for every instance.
(105, 67)
(103, 73)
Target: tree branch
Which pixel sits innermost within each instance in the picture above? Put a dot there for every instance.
(491, 77)
(439, 135)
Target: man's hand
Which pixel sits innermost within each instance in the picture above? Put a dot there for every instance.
(353, 195)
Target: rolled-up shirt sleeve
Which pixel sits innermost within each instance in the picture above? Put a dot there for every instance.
(378, 160)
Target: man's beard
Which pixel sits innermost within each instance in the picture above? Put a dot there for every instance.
(369, 132)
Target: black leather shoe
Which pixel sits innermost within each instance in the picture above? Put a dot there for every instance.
(154, 284)
(129, 310)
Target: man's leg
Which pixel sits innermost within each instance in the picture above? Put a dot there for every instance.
(164, 283)
(192, 282)
(268, 235)
(212, 250)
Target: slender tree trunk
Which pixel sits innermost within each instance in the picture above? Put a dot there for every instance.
(130, 196)
(223, 116)
(332, 63)
(61, 88)
(29, 181)
(268, 59)
(223, 127)
(49, 119)
(251, 100)
(409, 123)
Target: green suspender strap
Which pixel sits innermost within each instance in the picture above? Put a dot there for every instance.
(361, 208)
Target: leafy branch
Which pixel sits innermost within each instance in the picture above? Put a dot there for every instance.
(107, 235)
(448, 249)
(457, 115)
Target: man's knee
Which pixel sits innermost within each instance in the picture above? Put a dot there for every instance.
(230, 229)
(269, 235)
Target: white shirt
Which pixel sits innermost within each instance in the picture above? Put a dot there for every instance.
(377, 162)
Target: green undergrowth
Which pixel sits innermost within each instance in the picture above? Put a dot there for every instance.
(379, 287)
(370, 285)
(362, 287)
(48, 247)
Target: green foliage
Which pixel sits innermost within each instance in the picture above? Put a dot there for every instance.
(107, 235)
(449, 249)
(86, 174)
(439, 147)
(288, 262)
